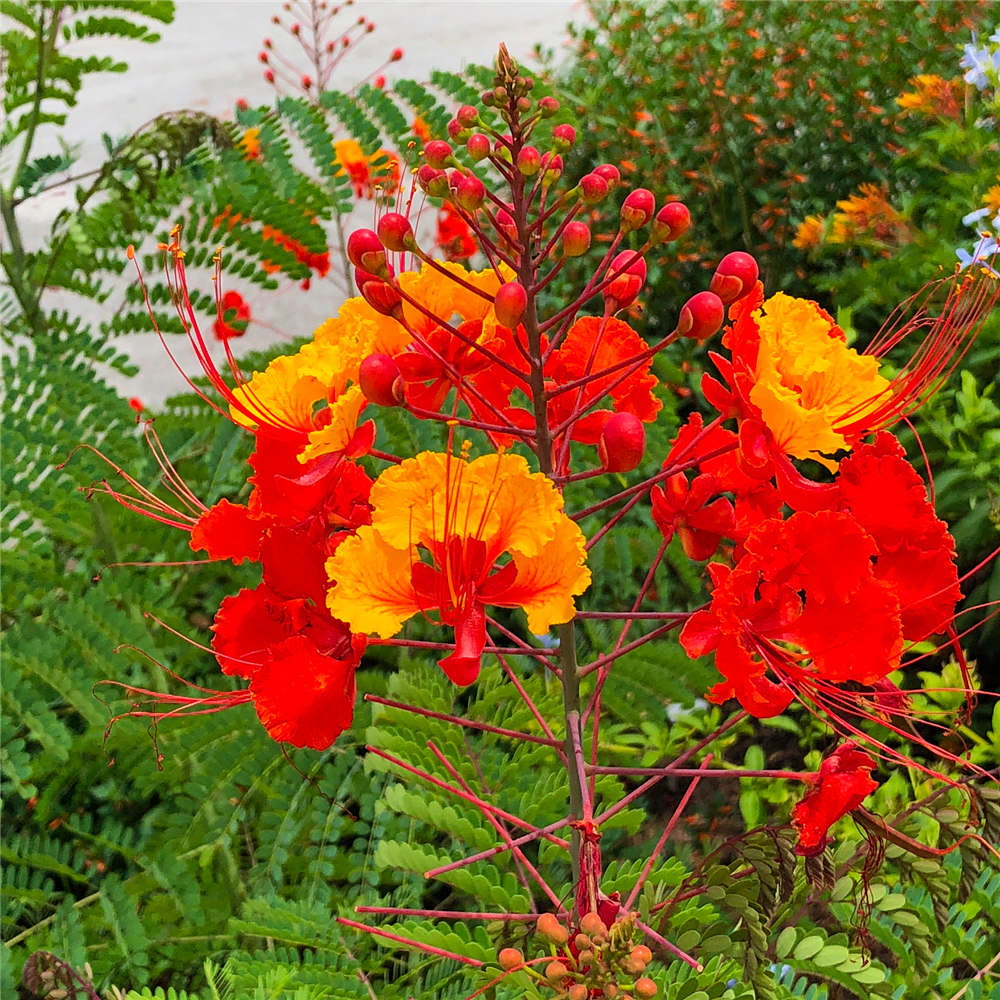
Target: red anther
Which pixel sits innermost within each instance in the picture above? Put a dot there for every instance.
(433, 182)
(637, 209)
(623, 290)
(306, 81)
(380, 381)
(269, 76)
(593, 188)
(365, 250)
(701, 316)
(735, 276)
(275, 19)
(330, 46)
(395, 232)
(296, 29)
(379, 294)
(379, 82)
(575, 239)
(610, 173)
(548, 106)
(563, 137)
(268, 44)
(262, 56)
(437, 153)
(397, 54)
(467, 190)
(529, 161)
(369, 28)
(478, 146)
(468, 116)
(623, 443)
(136, 403)
(509, 304)
(241, 103)
(671, 221)
(552, 164)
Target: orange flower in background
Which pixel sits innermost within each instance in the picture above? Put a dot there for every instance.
(380, 171)
(421, 129)
(233, 316)
(932, 95)
(868, 216)
(992, 198)
(454, 536)
(250, 144)
(453, 236)
(810, 232)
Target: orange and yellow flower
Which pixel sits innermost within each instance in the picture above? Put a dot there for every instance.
(868, 216)
(931, 95)
(810, 232)
(455, 536)
(367, 173)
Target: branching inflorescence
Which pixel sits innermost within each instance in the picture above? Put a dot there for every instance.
(823, 573)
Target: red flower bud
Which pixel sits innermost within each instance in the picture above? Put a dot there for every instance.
(556, 971)
(456, 130)
(593, 926)
(478, 146)
(509, 304)
(433, 182)
(593, 188)
(548, 106)
(575, 239)
(671, 221)
(467, 116)
(505, 224)
(622, 443)
(637, 209)
(623, 290)
(365, 250)
(563, 137)
(735, 276)
(701, 316)
(610, 173)
(529, 161)
(552, 164)
(437, 153)
(395, 232)
(645, 988)
(379, 294)
(468, 190)
(379, 380)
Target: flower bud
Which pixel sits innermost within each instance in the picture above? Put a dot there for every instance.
(487, 98)
(379, 294)
(610, 173)
(365, 250)
(457, 131)
(548, 106)
(735, 276)
(640, 953)
(592, 925)
(671, 221)
(622, 291)
(556, 972)
(395, 232)
(575, 239)
(509, 304)
(432, 181)
(637, 209)
(593, 188)
(645, 987)
(437, 153)
(467, 190)
(505, 224)
(529, 161)
(467, 116)
(622, 445)
(478, 146)
(578, 992)
(548, 927)
(563, 137)
(510, 958)
(379, 379)
(701, 316)
(552, 164)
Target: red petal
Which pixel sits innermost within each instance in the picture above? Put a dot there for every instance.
(229, 531)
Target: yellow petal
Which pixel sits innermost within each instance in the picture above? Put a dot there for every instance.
(281, 395)
(371, 589)
(336, 435)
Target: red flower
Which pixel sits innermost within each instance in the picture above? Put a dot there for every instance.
(843, 782)
(454, 236)
(233, 316)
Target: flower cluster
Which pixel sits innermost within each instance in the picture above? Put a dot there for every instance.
(827, 558)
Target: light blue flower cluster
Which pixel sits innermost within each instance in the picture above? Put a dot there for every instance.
(982, 65)
(985, 251)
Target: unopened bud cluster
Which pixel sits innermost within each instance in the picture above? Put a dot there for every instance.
(593, 960)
